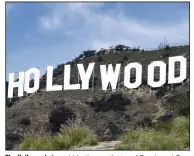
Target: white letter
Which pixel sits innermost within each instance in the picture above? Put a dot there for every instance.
(138, 76)
(67, 84)
(19, 84)
(85, 76)
(109, 76)
(171, 69)
(49, 83)
(162, 74)
(36, 73)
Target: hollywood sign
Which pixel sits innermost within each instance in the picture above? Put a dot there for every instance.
(107, 76)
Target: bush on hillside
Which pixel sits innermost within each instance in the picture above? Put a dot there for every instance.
(171, 136)
(161, 92)
(89, 53)
(115, 102)
(70, 136)
(100, 59)
(135, 49)
(60, 66)
(180, 103)
(61, 115)
(25, 121)
(119, 47)
(167, 48)
(125, 58)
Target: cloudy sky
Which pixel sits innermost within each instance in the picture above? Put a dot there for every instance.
(42, 34)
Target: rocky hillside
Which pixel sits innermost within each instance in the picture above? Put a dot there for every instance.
(108, 114)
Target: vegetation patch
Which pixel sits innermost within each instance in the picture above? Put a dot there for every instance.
(69, 137)
(171, 136)
(179, 103)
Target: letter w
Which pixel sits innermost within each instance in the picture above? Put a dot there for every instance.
(110, 76)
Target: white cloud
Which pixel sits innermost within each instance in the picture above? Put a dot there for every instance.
(97, 29)
(84, 26)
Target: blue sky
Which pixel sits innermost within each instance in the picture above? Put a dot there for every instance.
(42, 34)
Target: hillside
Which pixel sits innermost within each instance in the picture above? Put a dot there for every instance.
(108, 114)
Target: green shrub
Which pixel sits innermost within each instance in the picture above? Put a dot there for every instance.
(164, 127)
(163, 136)
(80, 136)
(70, 136)
(161, 92)
(180, 104)
(180, 125)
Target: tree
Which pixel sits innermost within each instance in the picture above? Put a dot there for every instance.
(92, 52)
(120, 47)
(167, 48)
(128, 48)
(136, 49)
(101, 52)
(81, 56)
(89, 53)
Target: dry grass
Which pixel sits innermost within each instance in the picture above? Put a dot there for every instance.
(172, 136)
(72, 135)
